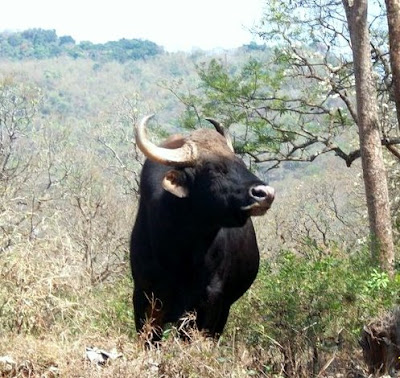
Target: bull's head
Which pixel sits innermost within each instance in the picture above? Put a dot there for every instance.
(204, 168)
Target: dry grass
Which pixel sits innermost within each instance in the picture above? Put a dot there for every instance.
(50, 312)
(48, 355)
(55, 356)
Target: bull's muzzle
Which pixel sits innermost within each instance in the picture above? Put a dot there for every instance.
(263, 196)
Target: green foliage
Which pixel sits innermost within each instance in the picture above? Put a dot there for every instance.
(117, 313)
(273, 111)
(238, 95)
(44, 44)
(302, 304)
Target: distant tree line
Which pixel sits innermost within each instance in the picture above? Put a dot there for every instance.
(44, 44)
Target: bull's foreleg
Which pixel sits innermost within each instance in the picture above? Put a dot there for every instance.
(222, 319)
(212, 319)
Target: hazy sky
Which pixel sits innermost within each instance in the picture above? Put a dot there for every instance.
(174, 24)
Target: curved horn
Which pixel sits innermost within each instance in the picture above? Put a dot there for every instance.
(182, 156)
(221, 129)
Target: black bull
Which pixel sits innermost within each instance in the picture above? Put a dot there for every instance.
(193, 245)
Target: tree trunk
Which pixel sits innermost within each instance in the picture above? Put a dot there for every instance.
(374, 172)
(393, 16)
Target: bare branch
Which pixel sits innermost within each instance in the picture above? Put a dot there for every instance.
(393, 150)
(349, 158)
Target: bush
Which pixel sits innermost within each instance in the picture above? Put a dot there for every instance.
(306, 308)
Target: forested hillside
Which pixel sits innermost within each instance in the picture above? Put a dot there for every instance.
(69, 171)
(45, 44)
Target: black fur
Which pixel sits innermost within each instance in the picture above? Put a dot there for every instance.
(196, 254)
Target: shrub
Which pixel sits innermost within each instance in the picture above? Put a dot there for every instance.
(305, 308)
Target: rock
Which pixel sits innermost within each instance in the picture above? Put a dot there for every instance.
(100, 356)
(7, 366)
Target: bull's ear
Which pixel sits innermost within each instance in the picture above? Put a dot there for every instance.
(175, 182)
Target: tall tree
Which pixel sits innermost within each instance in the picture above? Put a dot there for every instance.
(374, 171)
(300, 100)
(393, 16)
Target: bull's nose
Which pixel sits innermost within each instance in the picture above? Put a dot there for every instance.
(262, 193)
